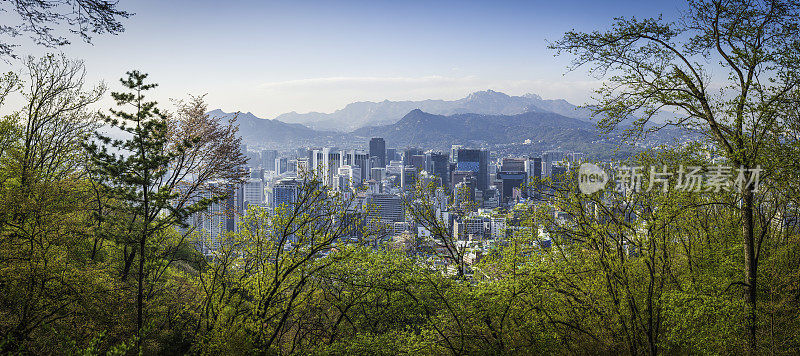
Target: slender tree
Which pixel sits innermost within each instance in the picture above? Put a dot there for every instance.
(653, 65)
(156, 171)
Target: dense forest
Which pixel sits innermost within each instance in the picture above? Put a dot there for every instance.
(97, 256)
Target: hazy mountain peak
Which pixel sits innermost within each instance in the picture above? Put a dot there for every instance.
(489, 102)
(487, 94)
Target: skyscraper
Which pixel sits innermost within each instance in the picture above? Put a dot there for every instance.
(268, 159)
(535, 171)
(409, 153)
(285, 192)
(511, 181)
(440, 167)
(513, 164)
(281, 164)
(477, 161)
(252, 192)
(454, 153)
(377, 148)
(391, 154)
(385, 207)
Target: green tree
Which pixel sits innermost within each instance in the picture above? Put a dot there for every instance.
(155, 174)
(655, 65)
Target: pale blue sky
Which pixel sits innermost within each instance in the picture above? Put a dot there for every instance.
(274, 57)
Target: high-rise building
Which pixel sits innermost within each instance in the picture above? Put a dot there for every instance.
(440, 167)
(358, 160)
(477, 161)
(285, 192)
(378, 174)
(454, 153)
(558, 172)
(511, 181)
(409, 153)
(377, 148)
(409, 178)
(576, 157)
(302, 166)
(218, 218)
(385, 207)
(513, 164)
(535, 168)
(420, 162)
(391, 154)
(281, 165)
(349, 178)
(268, 159)
(548, 158)
(253, 192)
(325, 164)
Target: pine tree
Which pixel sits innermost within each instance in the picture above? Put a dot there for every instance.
(135, 172)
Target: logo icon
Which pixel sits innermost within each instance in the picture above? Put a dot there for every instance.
(591, 178)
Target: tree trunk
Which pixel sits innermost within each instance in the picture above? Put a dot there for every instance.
(750, 265)
(140, 294)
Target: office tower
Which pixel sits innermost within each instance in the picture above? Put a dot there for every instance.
(461, 176)
(218, 218)
(410, 152)
(513, 164)
(477, 161)
(378, 174)
(252, 192)
(325, 164)
(394, 167)
(419, 162)
(391, 154)
(374, 162)
(349, 178)
(557, 172)
(535, 170)
(511, 181)
(440, 167)
(377, 148)
(409, 178)
(491, 198)
(257, 173)
(285, 192)
(548, 158)
(281, 165)
(358, 160)
(385, 207)
(301, 166)
(268, 159)
(576, 157)
(499, 228)
(454, 153)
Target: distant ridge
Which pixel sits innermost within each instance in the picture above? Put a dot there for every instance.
(255, 129)
(489, 102)
(430, 130)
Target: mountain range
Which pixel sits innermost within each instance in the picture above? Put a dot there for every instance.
(515, 124)
(418, 128)
(366, 113)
